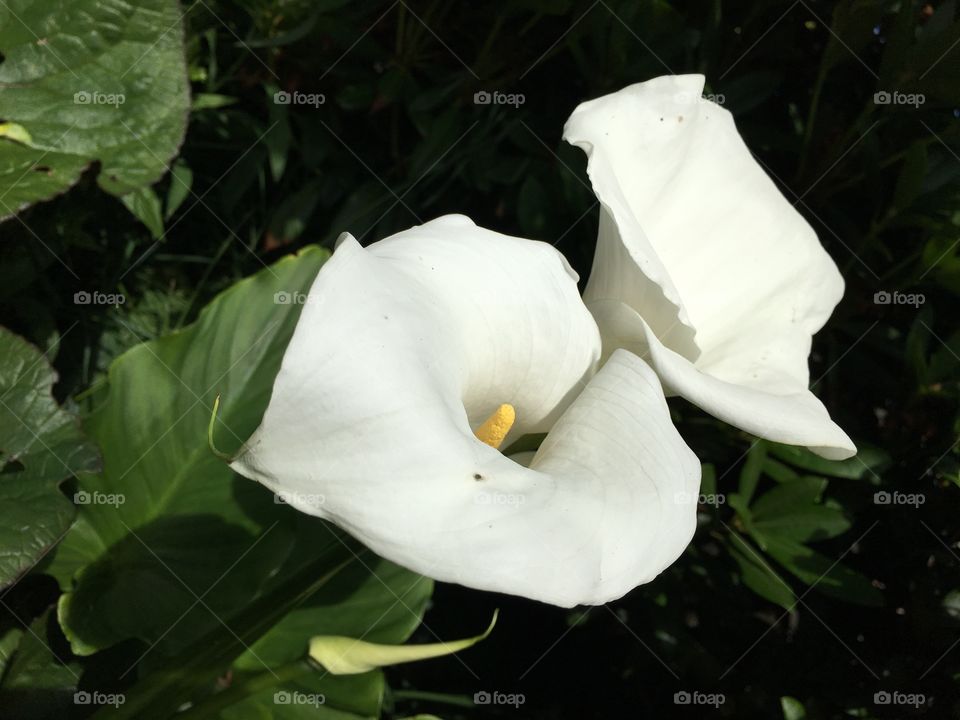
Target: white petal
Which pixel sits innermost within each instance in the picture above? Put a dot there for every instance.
(369, 423)
(764, 406)
(752, 277)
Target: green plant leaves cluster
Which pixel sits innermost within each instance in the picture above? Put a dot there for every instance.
(778, 526)
(41, 445)
(89, 81)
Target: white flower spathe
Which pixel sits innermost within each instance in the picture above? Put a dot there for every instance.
(702, 267)
(403, 349)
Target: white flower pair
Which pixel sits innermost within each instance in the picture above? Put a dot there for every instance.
(417, 357)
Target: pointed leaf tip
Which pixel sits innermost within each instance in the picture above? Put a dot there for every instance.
(347, 656)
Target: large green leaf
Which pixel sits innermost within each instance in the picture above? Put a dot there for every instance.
(40, 446)
(89, 81)
(184, 518)
(181, 524)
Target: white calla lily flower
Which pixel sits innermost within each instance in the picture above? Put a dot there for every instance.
(413, 359)
(702, 266)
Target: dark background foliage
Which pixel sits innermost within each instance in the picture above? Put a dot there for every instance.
(399, 139)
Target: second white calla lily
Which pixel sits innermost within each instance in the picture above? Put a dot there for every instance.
(409, 349)
(702, 266)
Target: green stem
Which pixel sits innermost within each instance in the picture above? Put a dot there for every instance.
(455, 700)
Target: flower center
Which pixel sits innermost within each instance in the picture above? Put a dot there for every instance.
(496, 427)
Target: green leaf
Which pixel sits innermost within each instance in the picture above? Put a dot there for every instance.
(777, 471)
(145, 206)
(292, 215)
(951, 604)
(278, 137)
(825, 575)
(9, 640)
(310, 696)
(38, 684)
(792, 708)
(792, 510)
(179, 518)
(383, 605)
(211, 101)
(40, 446)
(785, 498)
(852, 30)
(750, 475)
(708, 479)
(181, 182)
(757, 574)
(28, 175)
(867, 462)
(910, 181)
(90, 81)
